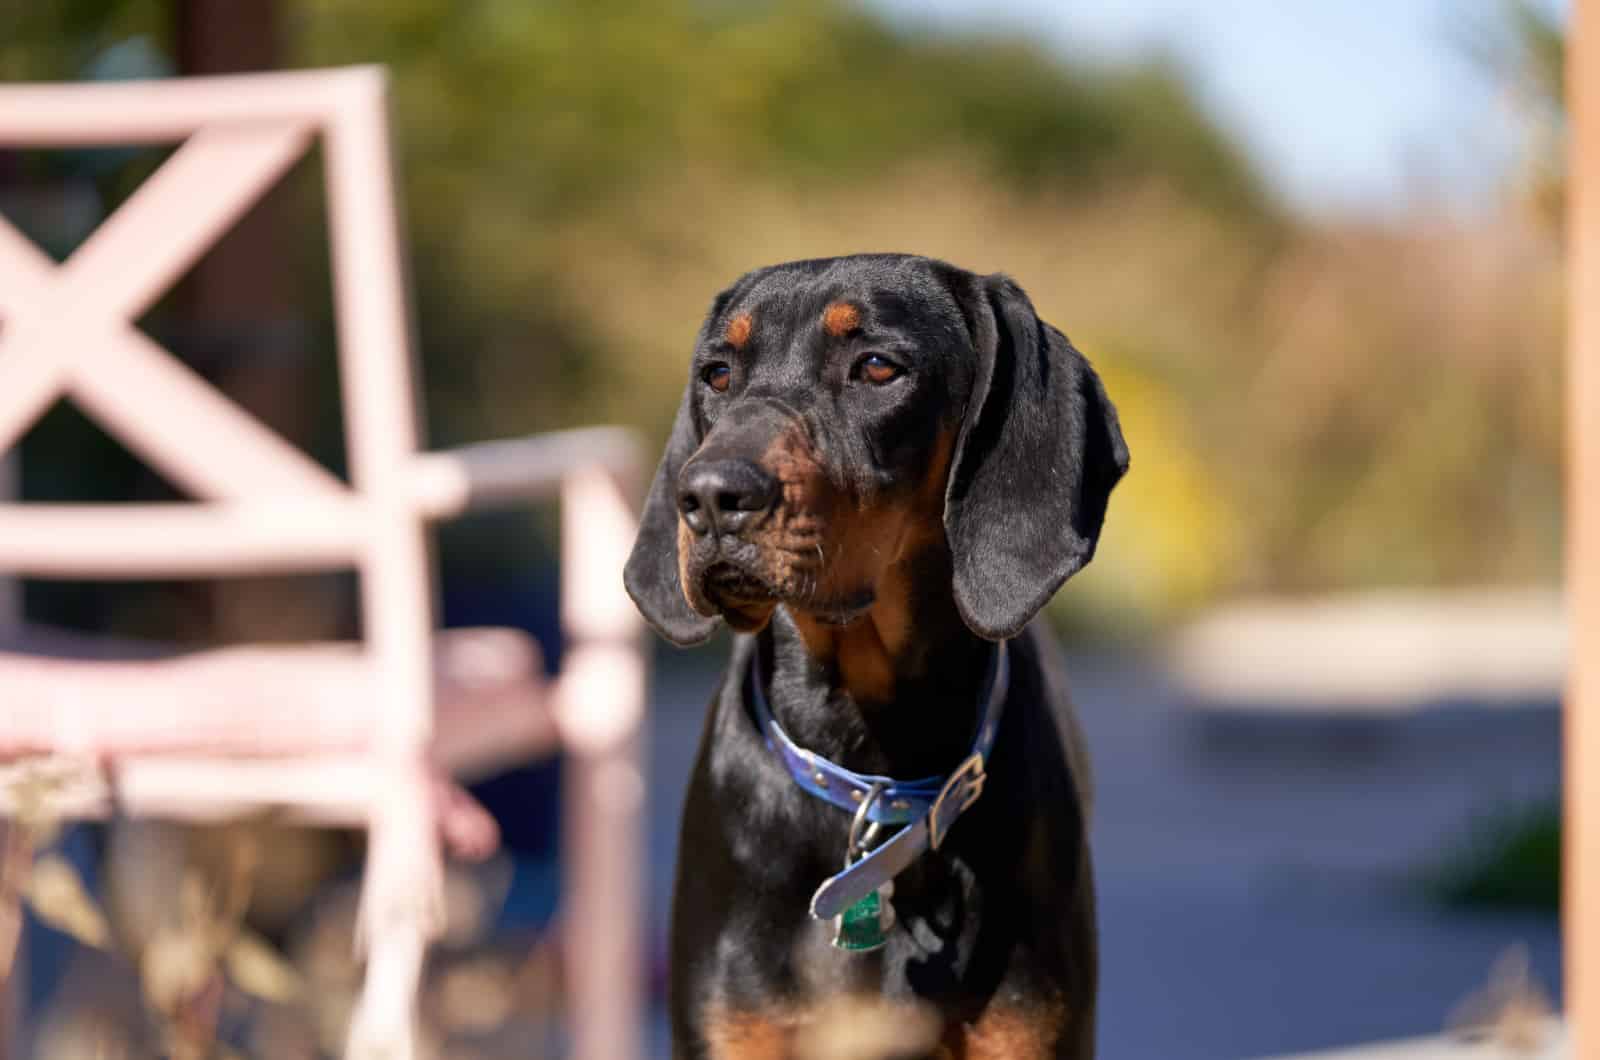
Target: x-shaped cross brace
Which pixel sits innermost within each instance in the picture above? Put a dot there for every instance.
(68, 329)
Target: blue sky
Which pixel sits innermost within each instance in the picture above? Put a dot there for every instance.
(1348, 105)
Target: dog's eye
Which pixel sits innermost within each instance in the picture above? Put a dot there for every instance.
(878, 369)
(717, 376)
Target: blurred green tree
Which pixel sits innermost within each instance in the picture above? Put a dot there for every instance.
(1311, 404)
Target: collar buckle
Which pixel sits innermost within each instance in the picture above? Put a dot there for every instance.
(858, 840)
(955, 798)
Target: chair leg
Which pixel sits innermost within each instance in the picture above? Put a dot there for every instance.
(401, 912)
(603, 919)
(384, 1024)
(600, 711)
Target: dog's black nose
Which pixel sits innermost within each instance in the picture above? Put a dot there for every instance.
(724, 496)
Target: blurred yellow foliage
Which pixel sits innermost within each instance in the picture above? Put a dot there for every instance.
(1170, 537)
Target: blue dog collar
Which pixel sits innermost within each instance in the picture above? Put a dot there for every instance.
(927, 807)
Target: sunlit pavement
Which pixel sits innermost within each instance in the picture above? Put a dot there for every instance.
(1256, 876)
(1553, 1044)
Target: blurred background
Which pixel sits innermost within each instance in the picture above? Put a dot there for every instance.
(1314, 250)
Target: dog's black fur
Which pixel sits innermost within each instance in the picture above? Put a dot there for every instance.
(897, 520)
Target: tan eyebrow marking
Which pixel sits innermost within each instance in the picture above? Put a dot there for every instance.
(840, 319)
(738, 330)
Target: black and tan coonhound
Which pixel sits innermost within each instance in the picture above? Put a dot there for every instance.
(882, 468)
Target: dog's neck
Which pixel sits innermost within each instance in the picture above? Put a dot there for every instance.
(894, 692)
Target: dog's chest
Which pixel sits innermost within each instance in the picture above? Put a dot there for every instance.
(937, 905)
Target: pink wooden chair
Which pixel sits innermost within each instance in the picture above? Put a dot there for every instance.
(368, 733)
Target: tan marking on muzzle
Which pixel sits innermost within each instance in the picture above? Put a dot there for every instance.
(807, 507)
(875, 548)
(691, 588)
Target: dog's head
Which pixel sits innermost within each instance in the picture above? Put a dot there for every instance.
(844, 414)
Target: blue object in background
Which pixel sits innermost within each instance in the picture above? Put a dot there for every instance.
(525, 802)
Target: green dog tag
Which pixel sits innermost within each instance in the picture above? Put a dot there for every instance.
(864, 926)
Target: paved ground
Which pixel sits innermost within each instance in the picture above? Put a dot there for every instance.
(1253, 873)
(1551, 1040)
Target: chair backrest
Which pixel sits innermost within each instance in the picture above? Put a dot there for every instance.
(68, 331)
(261, 504)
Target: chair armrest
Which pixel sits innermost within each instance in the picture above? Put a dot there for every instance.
(495, 474)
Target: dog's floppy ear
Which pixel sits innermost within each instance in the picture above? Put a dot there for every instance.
(652, 571)
(1037, 456)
